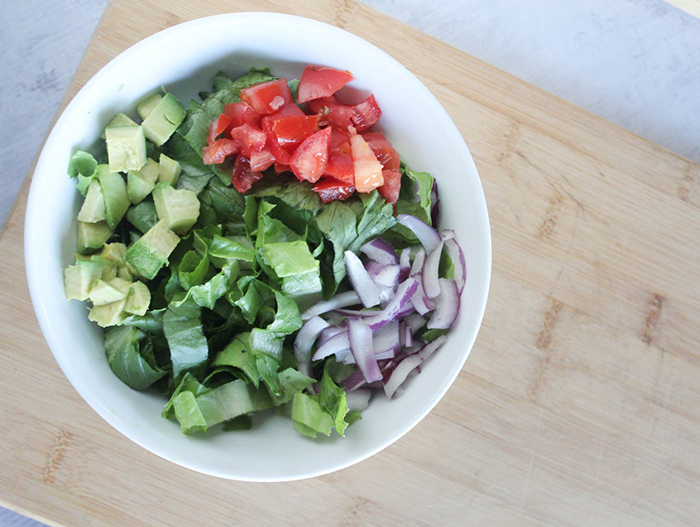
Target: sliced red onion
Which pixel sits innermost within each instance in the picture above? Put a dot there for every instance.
(380, 251)
(426, 234)
(373, 268)
(388, 276)
(329, 332)
(415, 321)
(447, 234)
(432, 346)
(406, 310)
(357, 313)
(333, 346)
(358, 400)
(349, 298)
(431, 272)
(418, 261)
(405, 264)
(460, 267)
(387, 338)
(404, 293)
(361, 347)
(361, 281)
(398, 376)
(354, 381)
(420, 300)
(405, 335)
(447, 307)
(304, 341)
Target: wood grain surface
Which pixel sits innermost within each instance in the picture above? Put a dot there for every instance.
(578, 404)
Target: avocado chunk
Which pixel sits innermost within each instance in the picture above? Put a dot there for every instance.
(93, 209)
(115, 197)
(145, 107)
(80, 278)
(114, 252)
(169, 170)
(140, 183)
(163, 119)
(152, 250)
(143, 216)
(179, 208)
(92, 236)
(126, 148)
(119, 119)
(109, 268)
(108, 314)
(103, 293)
(139, 299)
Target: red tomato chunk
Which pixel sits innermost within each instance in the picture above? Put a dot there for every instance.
(318, 81)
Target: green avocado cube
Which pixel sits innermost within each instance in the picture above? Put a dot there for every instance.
(179, 208)
(109, 268)
(116, 198)
(103, 293)
(140, 183)
(164, 119)
(108, 314)
(139, 299)
(126, 148)
(92, 236)
(152, 250)
(93, 209)
(143, 216)
(146, 106)
(119, 119)
(169, 170)
(80, 278)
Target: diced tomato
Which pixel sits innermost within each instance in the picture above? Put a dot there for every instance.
(331, 112)
(218, 151)
(366, 114)
(384, 150)
(331, 189)
(249, 139)
(241, 113)
(267, 97)
(392, 185)
(261, 160)
(340, 165)
(289, 132)
(368, 170)
(279, 168)
(243, 176)
(311, 157)
(319, 81)
(217, 127)
(288, 110)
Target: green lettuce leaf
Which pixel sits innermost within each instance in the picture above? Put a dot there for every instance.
(377, 217)
(83, 166)
(189, 351)
(334, 400)
(124, 346)
(337, 223)
(237, 355)
(309, 416)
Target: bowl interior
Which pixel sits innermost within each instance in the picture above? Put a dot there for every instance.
(184, 59)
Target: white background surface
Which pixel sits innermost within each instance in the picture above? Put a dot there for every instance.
(633, 62)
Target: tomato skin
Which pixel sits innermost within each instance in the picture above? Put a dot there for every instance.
(318, 81)
(280, 168)
(217, 127)
(217, 151)
(331, 112)
(267, 97)
(241, 113)
(249, 139)
(366, 114)
(261, 160)
(288, 110)
(384, 150)
(290, 132)
(392, 185)
(243, 176)
(331, 189)
(368, 170)
(311, 156)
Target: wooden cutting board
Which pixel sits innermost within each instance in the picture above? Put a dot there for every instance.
(578, 405)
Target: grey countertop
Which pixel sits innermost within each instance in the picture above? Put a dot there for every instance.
(634, 62)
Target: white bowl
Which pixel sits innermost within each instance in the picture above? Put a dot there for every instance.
(184, 59)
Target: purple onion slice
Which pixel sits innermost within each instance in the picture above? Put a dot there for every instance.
(431, 272)
(380, 251)
(361, 281)
(346, 299)
(447, 307)
(361, 347)
(427, 235)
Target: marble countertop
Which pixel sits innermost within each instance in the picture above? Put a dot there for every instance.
(633, 62)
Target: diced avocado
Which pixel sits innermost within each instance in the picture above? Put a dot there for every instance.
(93, 209)
(145, 107)
(152, 250)
(103, 293)
(138, 300)
(92, 236)
(114, 252)
(169, 170)
(119, 120)
(143, 216)
(164, 119)
(126, 148)
(109, 268)
(125, 274)
(179, 208)
(80, 278)
(115, 197)
(140, 183)
(108, 314)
